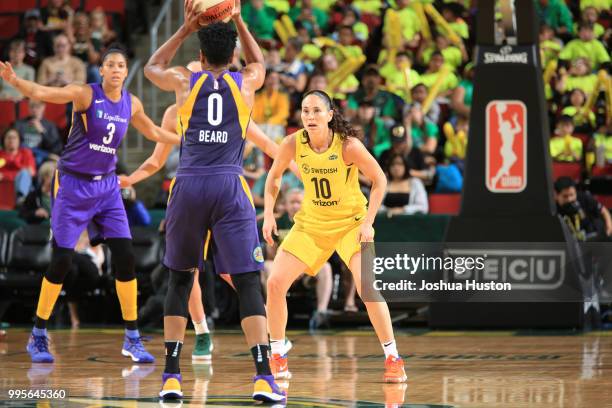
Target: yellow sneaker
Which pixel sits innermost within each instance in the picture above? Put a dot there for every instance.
(171, 386)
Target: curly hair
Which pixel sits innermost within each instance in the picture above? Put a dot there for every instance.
(217, 42)
(338, 124)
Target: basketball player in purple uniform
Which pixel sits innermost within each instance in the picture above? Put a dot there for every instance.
(209, 192)
(86, 190)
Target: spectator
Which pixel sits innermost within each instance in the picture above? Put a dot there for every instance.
(57, 17)
(38, 134)
(410, 26)
(401, 143)
(62, 68)
(556, 15)
(424, 134)
(83, 276)
(288, 182)
(591, 15)
(85, 49)
(579, 77)
(292, 70)
(36, 208)
(349, 84)
(346, 44)
(563, 146)
(253, 162)
(38, 43)
(586, 46)
(430, 77)
(293, 202)
(101, 34)
(602, 145)
(17, 165)
(418, 95)
(351, 18)
(312, 18)
(550, 46)
(451, 12)
(456, 140)
(17, 53)
(388, 106)
(461, 97)
(136, 211)
(317, 81)
(260, 19)
(587, 219)
(453, 56)
(399, 75)
(584, 121)
(404, 194)
(375, 134)
(271, 108)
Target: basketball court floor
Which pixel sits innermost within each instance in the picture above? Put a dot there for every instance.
(334, 368)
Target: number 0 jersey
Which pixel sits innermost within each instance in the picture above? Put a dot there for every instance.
(331, 188)
(96, 134)
(213, 123)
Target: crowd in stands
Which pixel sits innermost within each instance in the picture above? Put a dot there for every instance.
(401, 70)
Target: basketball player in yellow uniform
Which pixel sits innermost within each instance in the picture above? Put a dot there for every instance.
(334, 217)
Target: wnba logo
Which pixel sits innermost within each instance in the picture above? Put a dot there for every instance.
(506, 146)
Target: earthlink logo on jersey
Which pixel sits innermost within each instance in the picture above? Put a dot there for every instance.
(506, 146)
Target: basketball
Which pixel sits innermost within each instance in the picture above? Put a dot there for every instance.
(213, 11)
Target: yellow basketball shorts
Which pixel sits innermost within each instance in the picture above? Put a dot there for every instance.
(314, 247)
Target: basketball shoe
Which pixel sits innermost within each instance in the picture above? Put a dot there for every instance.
(38, 347)
(266, 390)
(203, 348)
(133, 348)
(279, 364)
(171, 386)
(394, 370)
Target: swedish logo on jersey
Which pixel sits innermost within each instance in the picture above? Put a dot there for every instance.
(258, 254)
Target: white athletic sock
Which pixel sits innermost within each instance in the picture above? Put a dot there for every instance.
(390, 349)
(278, 347)
(201, 327)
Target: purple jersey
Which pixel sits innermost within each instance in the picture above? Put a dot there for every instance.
(96, 134)
(213, 122)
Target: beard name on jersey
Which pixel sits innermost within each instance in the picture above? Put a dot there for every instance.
(213, 136)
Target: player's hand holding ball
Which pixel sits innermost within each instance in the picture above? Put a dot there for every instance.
(269, 227)
(199, 13)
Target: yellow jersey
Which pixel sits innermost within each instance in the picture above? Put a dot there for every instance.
(332, 197)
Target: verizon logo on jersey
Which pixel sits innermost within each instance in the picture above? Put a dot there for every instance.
(102, 148)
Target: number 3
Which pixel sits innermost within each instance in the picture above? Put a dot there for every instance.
(111, 132)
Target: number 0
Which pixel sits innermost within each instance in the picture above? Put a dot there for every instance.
(215, 109)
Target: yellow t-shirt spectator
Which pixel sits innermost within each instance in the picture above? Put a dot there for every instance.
(592, 50)
(368, 6)
(409, 23)
(550, 51)
(324, 5)
(271, 109)
(579, 120)
(348, 84)
(598, 29)
(396, 82)
(586, 83)
(461, 28)
(451, 54)
(600, 5)
(449, 83)
(566, 148)
(281, 6)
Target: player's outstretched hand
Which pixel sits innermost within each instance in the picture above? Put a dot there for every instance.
(124, 181)
(269, 227)
(7, 73)
(366, 233)
(237, 10)
(191, 17)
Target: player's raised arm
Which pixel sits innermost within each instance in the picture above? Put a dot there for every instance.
(268, 146)
(150, 130)
(157, 69)
(79, 94)
(255, 72)
(355, 152)
(273, 183)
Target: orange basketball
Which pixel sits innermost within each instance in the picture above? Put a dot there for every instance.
(213, 11)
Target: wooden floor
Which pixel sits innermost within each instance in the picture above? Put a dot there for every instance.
(455, 369)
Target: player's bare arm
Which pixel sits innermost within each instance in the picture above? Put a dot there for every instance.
(145, 125)
(158, 69)
(80, 95)
(355, 152)
(268, 146)
(273, 183)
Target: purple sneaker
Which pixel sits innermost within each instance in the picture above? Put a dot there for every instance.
(133, 348)
(171, 386)
(38, 347)
(266, 390)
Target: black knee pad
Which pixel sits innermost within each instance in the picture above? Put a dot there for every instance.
(61, 261)
(250, 294)
(122, 253)
(177, 297)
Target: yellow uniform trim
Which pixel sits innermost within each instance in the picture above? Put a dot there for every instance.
(56, 183)
(84, 117)
(244, 112)
(170, 189)
(206, 242)
(247, 190)
(184, 112)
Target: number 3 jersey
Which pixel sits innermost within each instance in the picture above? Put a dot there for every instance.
(96, 134)
(213, 123)
(331, 188)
